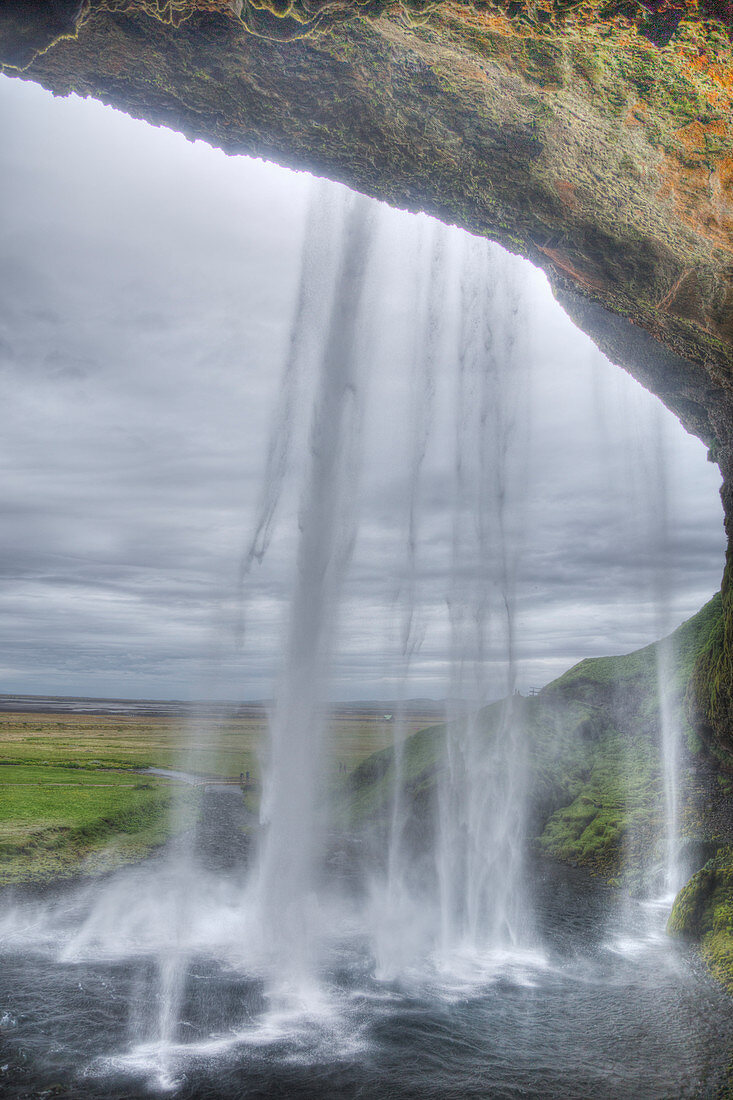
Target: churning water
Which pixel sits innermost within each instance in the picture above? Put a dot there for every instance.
(604, 1009)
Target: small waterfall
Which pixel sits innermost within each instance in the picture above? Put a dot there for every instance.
(651, 862)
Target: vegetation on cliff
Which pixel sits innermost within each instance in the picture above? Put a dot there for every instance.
(594, 761)
(618, 816)
(703, 913)
(658, 20)
(710, 697)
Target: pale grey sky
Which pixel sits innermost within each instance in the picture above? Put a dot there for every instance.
(148, 286)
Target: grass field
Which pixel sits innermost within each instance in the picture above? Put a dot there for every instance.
(57, 821)
(71, 801)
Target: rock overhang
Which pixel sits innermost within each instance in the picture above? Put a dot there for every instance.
(595, 139)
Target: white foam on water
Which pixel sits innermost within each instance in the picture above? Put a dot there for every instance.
(465, 972)
(304, 1029)
(644, 928)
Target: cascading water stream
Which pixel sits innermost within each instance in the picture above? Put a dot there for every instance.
(650, 531)
(669, 707)
(482, 791)
(286, 875)
(669, 701)
(394, 906)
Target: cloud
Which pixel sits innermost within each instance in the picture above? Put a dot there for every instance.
(147, 289)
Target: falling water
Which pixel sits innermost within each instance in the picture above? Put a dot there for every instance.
(288, 862)
(482, 795)
(317, 259)
(395, 904)
(644, 507)
(649, 529)
(669, 707)
(669, 701)
(477, 899)
(173, 954)
(228, 965)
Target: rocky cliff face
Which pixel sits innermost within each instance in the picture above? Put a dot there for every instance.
(596, 139)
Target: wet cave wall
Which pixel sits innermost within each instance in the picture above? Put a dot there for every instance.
(594, 138)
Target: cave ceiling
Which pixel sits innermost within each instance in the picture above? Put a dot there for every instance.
(597, 140)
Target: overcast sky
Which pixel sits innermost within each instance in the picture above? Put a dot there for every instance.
(148, 289)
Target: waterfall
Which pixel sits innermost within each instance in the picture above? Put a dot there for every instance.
(670, 703)
(280, 919)
(650, 530)
(395, 901)
(287, 868)
(467, 317)
(482, 790)
(669, 720)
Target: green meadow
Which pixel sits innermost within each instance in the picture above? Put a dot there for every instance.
(73, 801)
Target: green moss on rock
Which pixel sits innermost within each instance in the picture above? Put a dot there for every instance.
(710, 697)
(703, 914)
(594, 760)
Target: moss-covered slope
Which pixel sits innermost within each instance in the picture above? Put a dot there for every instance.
(703, 913)
(594, 763)
(710, 695)
(617, 818)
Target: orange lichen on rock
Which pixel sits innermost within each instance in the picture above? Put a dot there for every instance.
(708, 67)
(487, 22)
(567, 192)
(722, 180)
(699, 201)
(692, 137)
